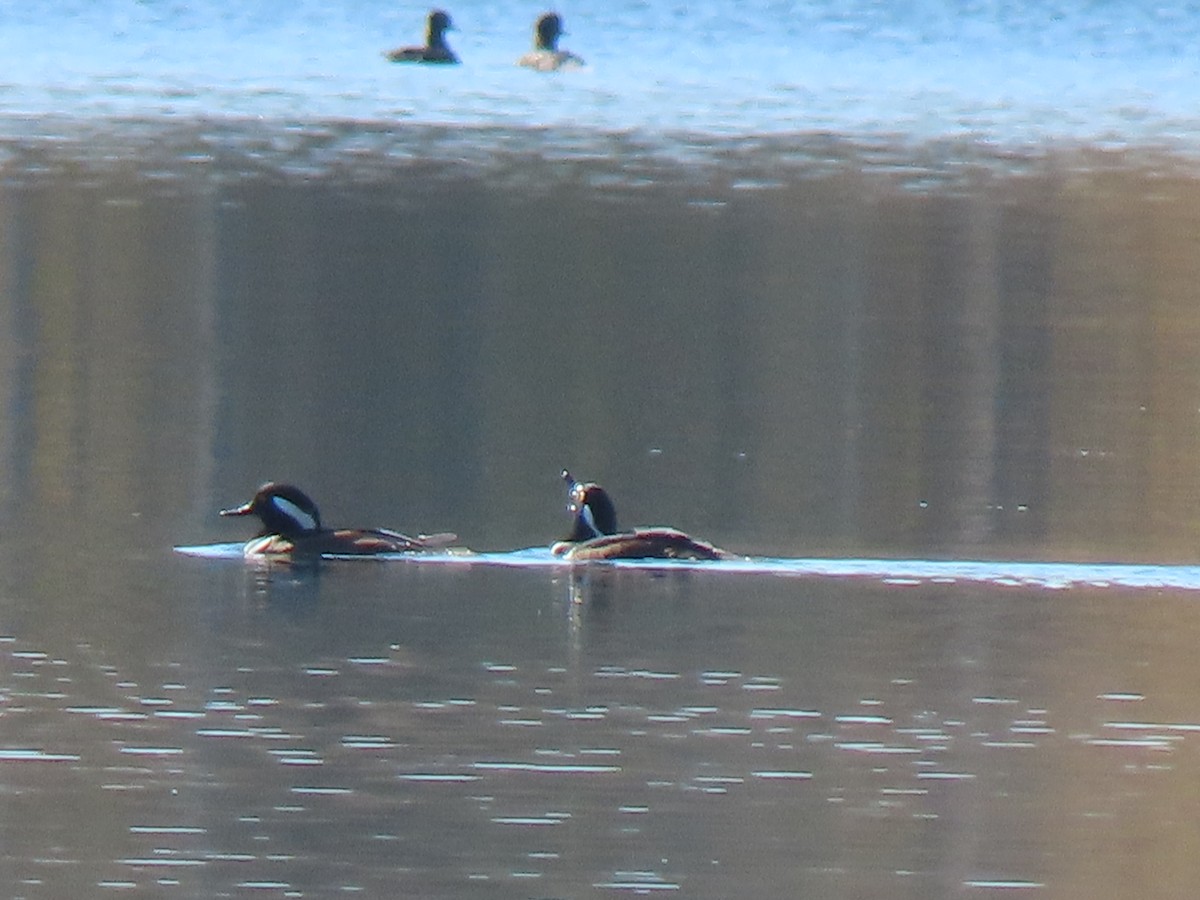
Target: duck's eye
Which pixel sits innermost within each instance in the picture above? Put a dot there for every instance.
(303, 518)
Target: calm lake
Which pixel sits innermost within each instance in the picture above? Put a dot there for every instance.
(795, 347)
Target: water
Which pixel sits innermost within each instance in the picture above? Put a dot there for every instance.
(904, 311)
(1004, 73)
(374, 729)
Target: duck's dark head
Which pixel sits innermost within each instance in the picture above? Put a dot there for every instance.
(592, 508)
(284, 509)
(547, 31)
(436, 27)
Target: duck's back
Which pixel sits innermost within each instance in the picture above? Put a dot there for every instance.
(643, 543)
(422, 55)
(550, 60)
(344, 542)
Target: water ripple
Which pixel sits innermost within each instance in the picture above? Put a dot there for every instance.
(899, 572)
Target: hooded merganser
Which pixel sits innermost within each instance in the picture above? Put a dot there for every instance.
(545, 56)
(594, 534)
(435, 50)
(292, 527)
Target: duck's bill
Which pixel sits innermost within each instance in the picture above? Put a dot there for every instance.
(243, 510)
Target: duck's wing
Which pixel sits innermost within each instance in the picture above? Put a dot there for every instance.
(269, 546)
(420, 542)
(550, 60)
(405, 54)
(645, 543)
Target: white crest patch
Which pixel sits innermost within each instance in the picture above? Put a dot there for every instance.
(302, 518)
(586, 515)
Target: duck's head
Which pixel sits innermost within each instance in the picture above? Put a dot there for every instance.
(437, 25)
(592, 508)
(547, 31)
(284, 509)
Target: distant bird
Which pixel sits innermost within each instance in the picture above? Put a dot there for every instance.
(292, 529)
(545, 56)
(595, 536)
(435, 49)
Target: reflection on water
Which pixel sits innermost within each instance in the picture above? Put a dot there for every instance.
(842, 360)
(1000, 366)
(819, 737)
(889, 571)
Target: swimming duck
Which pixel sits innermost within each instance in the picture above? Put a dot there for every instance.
(594, 533)
(435, 49)
(292, 527)
(545, 56)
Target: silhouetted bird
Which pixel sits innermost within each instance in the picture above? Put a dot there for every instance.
(435, 49)
(595, 535)
(545, 56)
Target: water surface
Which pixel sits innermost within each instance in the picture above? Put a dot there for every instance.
(919, 338)
(835, 372)
(379, 728)
(1009, 74)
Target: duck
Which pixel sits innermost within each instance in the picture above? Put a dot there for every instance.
(545, 56)
(435, 50)
(292, 528)
(595, 535)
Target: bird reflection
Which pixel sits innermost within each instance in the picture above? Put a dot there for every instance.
(293, 583)
(590, 587)
(596, 594)
(588, 600)
(594, 586)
